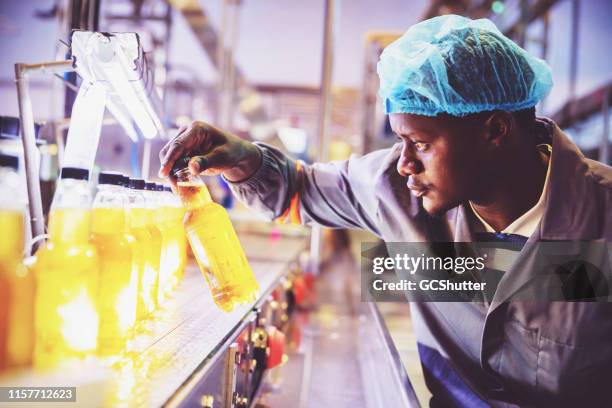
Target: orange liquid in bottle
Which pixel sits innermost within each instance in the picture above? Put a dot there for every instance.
(178, 213)
(169, 253)
(66, 270)
(216, 247)
(149, 264)
(119, 273)
(16, 295)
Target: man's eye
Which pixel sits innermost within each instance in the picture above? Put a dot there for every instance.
(420, 146)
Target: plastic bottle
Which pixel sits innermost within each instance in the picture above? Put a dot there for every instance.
(150, 249)
(176, 249)
(214, 242)
(168, 255)
(177, 212)
(16, 283)
(66, 269)
(155, 231)
(119, 256)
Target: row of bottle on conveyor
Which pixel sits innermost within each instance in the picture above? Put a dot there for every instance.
(107, 263)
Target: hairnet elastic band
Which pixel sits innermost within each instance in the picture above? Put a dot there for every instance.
(459, 111)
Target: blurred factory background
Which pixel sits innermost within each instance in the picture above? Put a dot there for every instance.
(256, 66)
(300, 75)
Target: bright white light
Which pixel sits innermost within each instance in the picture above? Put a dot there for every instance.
(79, 322)
(85, 125)
(123, 88)
(123, 120)
(109, 60)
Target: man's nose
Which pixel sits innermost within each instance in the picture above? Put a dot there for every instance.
(408, 164)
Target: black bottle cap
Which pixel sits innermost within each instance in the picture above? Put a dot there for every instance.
(6, 160)
(137, 184)
(150, 186)
(179, 165)
(110, 177)
(125, 181)
(168, 189)
(160, 187)
(74, 173)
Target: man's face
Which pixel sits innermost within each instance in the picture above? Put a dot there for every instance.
(443, 158)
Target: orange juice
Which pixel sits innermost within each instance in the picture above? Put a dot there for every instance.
(169, 251)
(150, 244)
(118, 290)
(176, 213)
(150, 248)
(16, 282)
(119, 264)
(66, 271)
(215, 245)
(179, 238)
(66, 317)
(16, 294)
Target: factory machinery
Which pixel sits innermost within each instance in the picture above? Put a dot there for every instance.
(187, 351)
(182, 350)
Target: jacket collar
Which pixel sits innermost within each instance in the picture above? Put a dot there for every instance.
(571, 197)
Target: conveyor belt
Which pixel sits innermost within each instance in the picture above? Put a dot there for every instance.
(190, 328)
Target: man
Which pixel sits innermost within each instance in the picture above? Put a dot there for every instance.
(472, 161)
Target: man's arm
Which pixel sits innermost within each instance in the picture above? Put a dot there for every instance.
(335, 194)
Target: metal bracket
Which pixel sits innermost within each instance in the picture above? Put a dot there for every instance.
(28, 138)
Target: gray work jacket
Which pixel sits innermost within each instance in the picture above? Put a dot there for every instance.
(509, 353)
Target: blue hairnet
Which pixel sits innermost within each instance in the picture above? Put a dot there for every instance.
(455, 65)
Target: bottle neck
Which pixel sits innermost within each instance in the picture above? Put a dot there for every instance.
(70, 216)
(192, 190)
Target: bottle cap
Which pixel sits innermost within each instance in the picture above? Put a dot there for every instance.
(74, 173)
(126, 181)
(159, 187)
(7, 160)
(137, 184)
(150, 186)
(179, 165)
(110, 177)
(168, 189)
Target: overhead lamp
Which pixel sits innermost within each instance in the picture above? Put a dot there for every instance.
(117, 61)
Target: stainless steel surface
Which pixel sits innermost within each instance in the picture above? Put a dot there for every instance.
(229, 385)
(28, 138)
(49, 67)
(190, 333)
(346, 357)
(382, 367)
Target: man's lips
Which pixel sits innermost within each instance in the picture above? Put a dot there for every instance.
(417, 189)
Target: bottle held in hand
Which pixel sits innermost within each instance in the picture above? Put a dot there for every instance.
(214, 242)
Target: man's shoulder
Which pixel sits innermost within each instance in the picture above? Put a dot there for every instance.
(600, 174)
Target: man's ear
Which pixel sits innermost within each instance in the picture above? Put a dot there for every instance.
(498, 127)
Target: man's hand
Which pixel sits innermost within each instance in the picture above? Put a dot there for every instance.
(212, 151)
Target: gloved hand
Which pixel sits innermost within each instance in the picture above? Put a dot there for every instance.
(212, 152)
